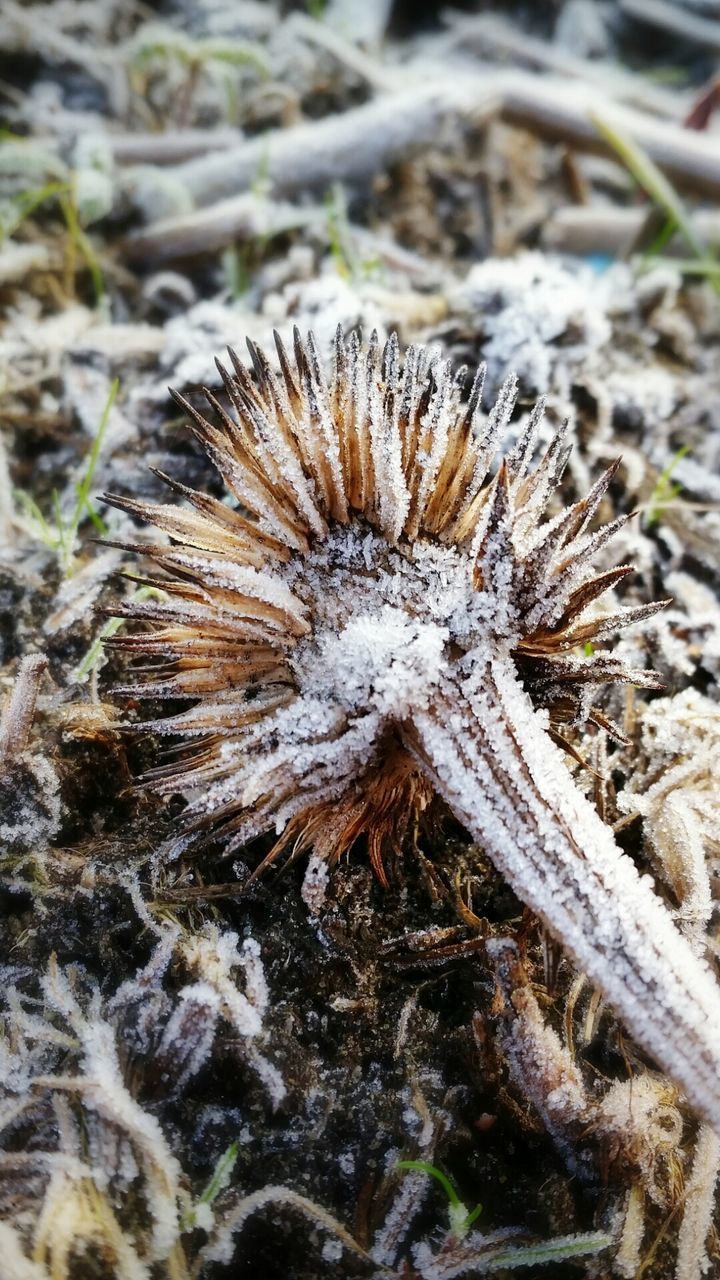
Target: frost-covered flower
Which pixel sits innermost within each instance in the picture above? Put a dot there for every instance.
(376, 617)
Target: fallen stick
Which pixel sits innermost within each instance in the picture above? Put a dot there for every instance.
(607, 229)
(19, 706)
(563, 112)
(356, 144)
(347, 52)
(245, 217)
(172, 147)
(485, 32)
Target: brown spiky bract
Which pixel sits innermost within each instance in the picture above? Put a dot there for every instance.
(383, 612)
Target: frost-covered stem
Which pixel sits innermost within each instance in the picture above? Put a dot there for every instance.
(692, 1258)
(220, 1249)
(18, 714)
(539, 1063)
(488, 753)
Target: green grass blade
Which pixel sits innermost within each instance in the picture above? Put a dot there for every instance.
(653, 181)
(424, 1166)
(663, 491)
(83, 505)
(558, 1250)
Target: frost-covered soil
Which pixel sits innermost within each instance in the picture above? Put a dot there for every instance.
(192, 1076)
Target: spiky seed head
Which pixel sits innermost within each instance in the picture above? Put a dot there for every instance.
(371, 545)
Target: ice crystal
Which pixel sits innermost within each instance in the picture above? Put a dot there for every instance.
(382, 613)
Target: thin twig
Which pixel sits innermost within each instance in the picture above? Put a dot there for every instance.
(172, 147)
(697, 1221)
(486, 32)
(19, 710)
(347, 52)
(245, 217)
(613, 230)
(564, 112)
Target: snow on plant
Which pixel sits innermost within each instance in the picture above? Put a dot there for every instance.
(380, 617)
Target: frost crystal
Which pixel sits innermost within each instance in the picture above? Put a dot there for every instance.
(384, 613)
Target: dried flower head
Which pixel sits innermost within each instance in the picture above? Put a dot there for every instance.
(378, 618)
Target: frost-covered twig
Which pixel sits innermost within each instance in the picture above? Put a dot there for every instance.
(241, 218)
(489, 31)
(481, 1255)
(324, 36)
(346, 147)
(539, 1064)
(596, 228)
(220, 1245)
(688, 26)
(699, 1209)
(19, 710)
(175, 146)
(564, 112)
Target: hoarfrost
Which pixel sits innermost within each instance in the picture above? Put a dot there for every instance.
(530, 301)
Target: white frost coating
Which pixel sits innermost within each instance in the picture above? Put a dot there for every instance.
(538, 1062)
(198, 1005)
(398, 1220)
(32, 807)
(315, 883)
(103, 1089)
(386, 662)
(563, 862)
(214, 956)
(628, 1257)
(106, 1145)
(479, 1254)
